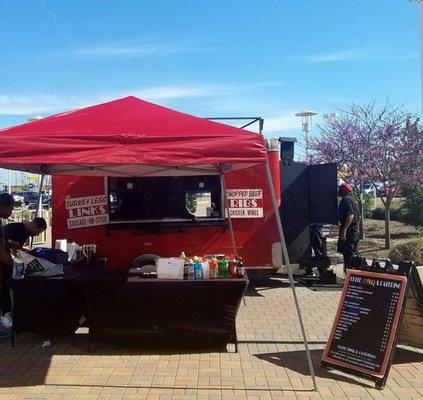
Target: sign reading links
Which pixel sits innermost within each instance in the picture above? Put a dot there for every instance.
(87, 211)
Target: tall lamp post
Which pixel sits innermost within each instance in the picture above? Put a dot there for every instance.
(306, 123)
(421, 47)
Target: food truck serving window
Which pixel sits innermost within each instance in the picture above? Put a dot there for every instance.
(169, 198)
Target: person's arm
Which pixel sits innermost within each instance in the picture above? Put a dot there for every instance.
(15, 236)
(348, 221)
(5, 256)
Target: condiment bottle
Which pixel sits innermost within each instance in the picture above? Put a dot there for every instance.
(198, 270)
(233, 268)
(240, 269)
(223, 269)
(213, 269)
(206, 269)
(191, 270)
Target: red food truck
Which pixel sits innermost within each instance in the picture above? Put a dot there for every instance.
(128, 217)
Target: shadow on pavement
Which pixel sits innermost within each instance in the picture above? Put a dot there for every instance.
(279, 281)
(297, 361)
(405, 356)
(27, 364)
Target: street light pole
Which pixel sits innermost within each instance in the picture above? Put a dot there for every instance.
(306, 123)
(421, 48)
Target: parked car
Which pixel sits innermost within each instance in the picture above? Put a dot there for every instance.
(368, 188)
(33, 206)
(18, 197)
(394, 188)
(32, 197)
(46, 199)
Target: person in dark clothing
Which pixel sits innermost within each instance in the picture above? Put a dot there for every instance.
(6, 207)
(17, 233)
(348, 215)
(317, 239)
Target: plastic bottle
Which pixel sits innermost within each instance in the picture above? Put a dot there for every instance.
(223, 269)
(18, 267)
(198, 270)
(213, 269)
(185, 264)
(206, 270)
(233, 268)
(240, 269)
(191, 271)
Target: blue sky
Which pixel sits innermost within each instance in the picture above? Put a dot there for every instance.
(268, 58)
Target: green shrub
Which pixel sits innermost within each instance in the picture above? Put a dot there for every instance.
(396, 214)
(368, 201)
(379, 213)
(412, 205)
(410, 250)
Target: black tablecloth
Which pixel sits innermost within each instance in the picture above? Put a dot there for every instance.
(48, 305)
(123, 306)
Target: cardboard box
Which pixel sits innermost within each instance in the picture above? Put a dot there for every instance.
(170, 268)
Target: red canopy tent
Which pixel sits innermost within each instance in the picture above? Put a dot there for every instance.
(128, 137)
(132, 137)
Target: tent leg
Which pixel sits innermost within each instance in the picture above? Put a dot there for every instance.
(229, 215)
(40, 198)
(39, 210)
(291, 279)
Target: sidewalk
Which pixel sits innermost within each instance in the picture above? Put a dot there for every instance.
(271, 363)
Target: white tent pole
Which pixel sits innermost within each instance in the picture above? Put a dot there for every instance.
(229, 214)
(291, 278)
(9, 181)
(40, 198)
(38, 212)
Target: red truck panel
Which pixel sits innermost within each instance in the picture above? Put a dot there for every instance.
(254, 236)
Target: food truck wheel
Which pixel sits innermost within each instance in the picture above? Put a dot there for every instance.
(145, 259)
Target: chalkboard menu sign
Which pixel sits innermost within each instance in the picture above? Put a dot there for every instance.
(366, 324)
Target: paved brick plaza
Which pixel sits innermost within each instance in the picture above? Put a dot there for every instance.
(271, 363)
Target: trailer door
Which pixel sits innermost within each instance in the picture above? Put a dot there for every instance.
(323, 197)
(308, 195)
(294, 211)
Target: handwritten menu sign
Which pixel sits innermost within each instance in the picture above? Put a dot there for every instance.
(87, 211)
(366, 324)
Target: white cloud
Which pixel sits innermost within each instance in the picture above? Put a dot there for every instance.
(356, 54)
(346, 55)
(283, 122)
(39, 103)
(135, 48)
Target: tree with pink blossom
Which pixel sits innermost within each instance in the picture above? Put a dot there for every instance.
(376, 144)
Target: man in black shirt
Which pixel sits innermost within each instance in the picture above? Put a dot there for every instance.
(6, 208)
(16, 234)
(348, 215)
